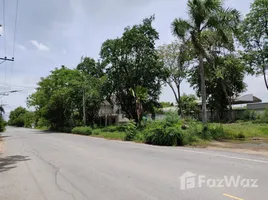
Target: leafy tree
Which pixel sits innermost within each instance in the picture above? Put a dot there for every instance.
(254, 38)
(225, 81)
(93, 84)
(54, 99)
(16, 117)
(29, 119)
(176, 58)
(166, 104)
(189, 105)
(205, 15)
(132, 61)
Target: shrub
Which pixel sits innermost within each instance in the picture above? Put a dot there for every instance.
(110, 129)
(172, 118)
(216, 132)
(158, 134)
(249, 115)
(264, 117)
(2, 124)
(96, 131)
(131, 130)
(82, 130)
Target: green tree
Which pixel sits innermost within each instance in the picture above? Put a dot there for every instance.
(16, 117)
(93, 85)
(55, 98)
(176, 58)
(224, 82)
(189, 105)
(254, 38)
(132, 61)
(205, 15)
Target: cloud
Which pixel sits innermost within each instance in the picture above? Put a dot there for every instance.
(21, 47)
(39, 45)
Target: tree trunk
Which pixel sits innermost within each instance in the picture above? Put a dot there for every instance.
(203, 89)
(179, 101)
(229, 101)
(265, 79)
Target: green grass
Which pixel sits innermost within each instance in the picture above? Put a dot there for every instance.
(249, 130)
(109, 135)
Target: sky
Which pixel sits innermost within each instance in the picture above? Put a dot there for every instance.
(52, 33)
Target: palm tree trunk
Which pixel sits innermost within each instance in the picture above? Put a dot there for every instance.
(229, 101)
(203, 89)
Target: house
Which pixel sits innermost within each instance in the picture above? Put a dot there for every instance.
(110, 114)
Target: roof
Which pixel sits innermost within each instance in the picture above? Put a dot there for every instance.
(248, 98)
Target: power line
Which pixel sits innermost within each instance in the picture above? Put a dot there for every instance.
(14, 41)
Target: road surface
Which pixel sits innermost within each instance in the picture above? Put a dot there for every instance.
(36, 165)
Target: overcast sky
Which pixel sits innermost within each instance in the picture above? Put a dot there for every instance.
(52, 33)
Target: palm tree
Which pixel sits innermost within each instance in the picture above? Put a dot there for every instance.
(2, 111)
(205, 15)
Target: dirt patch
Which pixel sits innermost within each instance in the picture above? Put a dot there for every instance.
(259, 146)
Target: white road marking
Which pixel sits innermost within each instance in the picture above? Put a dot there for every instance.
(223, 156)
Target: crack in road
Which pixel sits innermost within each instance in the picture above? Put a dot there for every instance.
(57, 169)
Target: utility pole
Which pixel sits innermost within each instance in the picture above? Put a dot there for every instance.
(84, 108)
(5, 58)
(84, 98)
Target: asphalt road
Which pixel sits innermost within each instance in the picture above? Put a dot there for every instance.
(35, 165)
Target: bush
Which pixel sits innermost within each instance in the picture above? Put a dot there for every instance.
(157, 133)
(264, 117)
(82, 130)
(110, 129)
(2, 124)
(96, 131)
(249, 115)
(216, 132)
(131, 130)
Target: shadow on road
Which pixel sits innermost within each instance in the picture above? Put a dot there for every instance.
(9, 162)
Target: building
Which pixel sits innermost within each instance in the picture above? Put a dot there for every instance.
(110, 114)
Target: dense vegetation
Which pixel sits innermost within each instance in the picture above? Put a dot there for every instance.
(131, 71)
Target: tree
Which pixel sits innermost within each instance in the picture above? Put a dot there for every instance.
(254, 38)
(224, 82)
(189, 105)
(16, 117)
(205, 15)
(93, 86)
(176, 58)
(55, 98)
(131, 62)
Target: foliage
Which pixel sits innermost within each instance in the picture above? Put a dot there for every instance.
(254, 38)
(223, 82)
(131, 62)
(176, 58)
(166, 104)
(206, 15)
(82, 130)
(264, 117)
(58, 99)
(249, 115)
(189, 106)
(2, 124)
(16, 117)
(131, 130)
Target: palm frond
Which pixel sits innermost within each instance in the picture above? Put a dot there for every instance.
(180, 28)
(2, 109)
